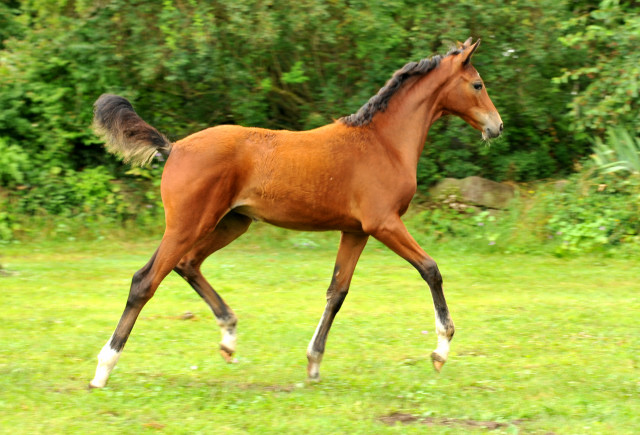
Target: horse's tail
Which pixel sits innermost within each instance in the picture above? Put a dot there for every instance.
(125, 133)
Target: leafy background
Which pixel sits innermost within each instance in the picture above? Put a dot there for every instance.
(561, 73)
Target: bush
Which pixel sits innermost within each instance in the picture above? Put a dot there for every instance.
(13, 164)
(588, 212)
(620, 153)
(470, 228)
(88, 199)
(605, 88)
(593, 213)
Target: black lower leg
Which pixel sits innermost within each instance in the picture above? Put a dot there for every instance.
(431, 274)
(334, 303)
(139, 294)
(194, 278)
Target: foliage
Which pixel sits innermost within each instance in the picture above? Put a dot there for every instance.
(88, 199)
(517, 59)
(596, 213)
(452, 220)
(606, 88)
(621, 153)
(600, 207)
(588, 212)
(8, 26)
(13, 164)
(8, 226)
(187, 65)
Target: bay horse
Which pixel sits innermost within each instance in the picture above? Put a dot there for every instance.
(356, 175)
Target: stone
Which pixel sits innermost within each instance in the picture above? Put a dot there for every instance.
(486, 193)
(445, 188)
(475, 191)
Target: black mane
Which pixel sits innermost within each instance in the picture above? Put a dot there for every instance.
(379, 102)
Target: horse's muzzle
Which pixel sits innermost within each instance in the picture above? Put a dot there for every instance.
(492, 132)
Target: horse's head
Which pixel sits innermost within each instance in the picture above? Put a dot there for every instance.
(464, 94)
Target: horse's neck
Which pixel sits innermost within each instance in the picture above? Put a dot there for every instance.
(404, 125)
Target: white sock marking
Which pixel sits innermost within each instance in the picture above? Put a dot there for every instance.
(229, 338)
(443, 341)
(314, 357)
(311, 353)
(107, 359)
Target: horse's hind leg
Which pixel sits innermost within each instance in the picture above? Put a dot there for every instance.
(351, 246)
(231, 227)
(143, 286)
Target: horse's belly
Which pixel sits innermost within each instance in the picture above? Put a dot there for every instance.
(301, 216)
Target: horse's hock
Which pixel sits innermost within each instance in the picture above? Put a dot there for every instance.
(474, 191)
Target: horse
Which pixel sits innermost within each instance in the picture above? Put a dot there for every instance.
(356, 175)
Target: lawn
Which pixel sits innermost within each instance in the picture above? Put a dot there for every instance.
(542, 345)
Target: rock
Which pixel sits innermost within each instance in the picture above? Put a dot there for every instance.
(445, 188)
(474, 190)
(487, 193)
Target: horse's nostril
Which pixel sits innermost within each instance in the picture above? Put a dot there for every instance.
(501, 127)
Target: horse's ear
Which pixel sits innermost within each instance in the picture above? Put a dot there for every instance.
(468, 51)
(463, 45)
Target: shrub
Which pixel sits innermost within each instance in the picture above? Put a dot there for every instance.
(594, 213)
(588, 212)
(13, 164)
(620, 153)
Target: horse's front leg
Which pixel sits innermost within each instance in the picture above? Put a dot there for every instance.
(394, 234)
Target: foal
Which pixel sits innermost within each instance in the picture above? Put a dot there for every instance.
(356, 175)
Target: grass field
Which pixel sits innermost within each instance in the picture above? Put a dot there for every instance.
(543, 345)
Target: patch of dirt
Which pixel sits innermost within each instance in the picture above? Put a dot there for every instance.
(400, 417)
(187, 315)
(269, 388)
(154, 425)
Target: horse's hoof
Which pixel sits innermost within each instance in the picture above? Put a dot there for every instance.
(313, 371)
(313, 379)
(93, 386)
(437, 361)
(227, 355)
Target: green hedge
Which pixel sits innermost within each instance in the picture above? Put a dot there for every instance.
(187, 65)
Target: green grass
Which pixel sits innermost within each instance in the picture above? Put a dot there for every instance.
(543, 345)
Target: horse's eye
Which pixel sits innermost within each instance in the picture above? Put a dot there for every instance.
(477, 86)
